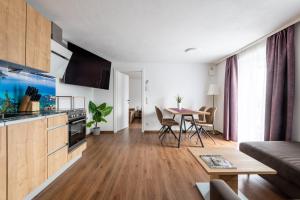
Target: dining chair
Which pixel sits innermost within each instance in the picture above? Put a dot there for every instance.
(201, 118)
(208, 123)
(166, 123)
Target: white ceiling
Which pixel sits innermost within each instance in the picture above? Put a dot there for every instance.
(160, 30)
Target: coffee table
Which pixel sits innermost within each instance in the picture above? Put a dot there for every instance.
(244, 165)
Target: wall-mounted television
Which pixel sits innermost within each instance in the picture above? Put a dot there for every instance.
(87, 69)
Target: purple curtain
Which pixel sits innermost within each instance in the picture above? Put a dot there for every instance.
(231, 99)
(280, 85)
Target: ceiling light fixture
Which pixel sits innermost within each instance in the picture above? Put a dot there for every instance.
(190, 49)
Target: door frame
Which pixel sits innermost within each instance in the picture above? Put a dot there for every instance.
(115, 113)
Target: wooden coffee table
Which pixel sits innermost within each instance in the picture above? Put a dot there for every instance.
(244, 165)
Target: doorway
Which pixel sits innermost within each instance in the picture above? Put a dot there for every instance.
(135, 112)
(128, 100)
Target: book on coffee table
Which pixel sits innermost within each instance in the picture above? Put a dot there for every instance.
(217, 162)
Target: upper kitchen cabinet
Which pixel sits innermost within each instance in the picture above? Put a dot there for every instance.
(38, 37)
(12, 34)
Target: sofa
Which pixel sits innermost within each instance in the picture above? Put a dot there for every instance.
(282, 156)
(219, 190)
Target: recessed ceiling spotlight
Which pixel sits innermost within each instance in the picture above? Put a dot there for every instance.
(190, 49)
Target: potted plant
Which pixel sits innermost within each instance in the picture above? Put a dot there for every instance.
(179, 102)
(99, 113)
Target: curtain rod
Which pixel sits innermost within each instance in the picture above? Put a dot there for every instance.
(259, 40)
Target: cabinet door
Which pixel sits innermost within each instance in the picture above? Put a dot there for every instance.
(56, 160)
(77, 152)
(38, 37)
(12, 34)
(57, 121)
(3, 163)
(27, 157)
(57, 138)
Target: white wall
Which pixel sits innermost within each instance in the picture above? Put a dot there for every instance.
(135, 92)
(72, 90)
(90, 94)
(101, 96)
(168, 80)
(165, 82)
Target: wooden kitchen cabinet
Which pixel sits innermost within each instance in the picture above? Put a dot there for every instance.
(57, 138)
(56, 121)
(12, 34)
(38, 37)
(57, 159)
(77, 151)
(57, 142)
(3, 160)
(27, 157)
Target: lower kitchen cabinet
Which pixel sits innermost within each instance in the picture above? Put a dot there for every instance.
(3, 159)
(57, 138)
(27, 157)
(57, 159)
(31, 151)
(56, 121)
(77, 152)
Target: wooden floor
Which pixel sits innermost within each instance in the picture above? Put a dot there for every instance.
(135, 166)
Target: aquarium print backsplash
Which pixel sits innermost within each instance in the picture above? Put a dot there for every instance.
(14, 84)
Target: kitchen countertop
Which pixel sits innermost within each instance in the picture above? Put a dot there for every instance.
(30, 117)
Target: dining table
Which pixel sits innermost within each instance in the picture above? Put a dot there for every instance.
(183, 113)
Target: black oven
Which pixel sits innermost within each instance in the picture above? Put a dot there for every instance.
(77, 131)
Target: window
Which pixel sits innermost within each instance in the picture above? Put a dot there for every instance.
(252, 93)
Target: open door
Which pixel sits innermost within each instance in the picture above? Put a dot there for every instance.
(122, 84)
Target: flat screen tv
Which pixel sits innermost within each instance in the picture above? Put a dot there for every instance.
(87, 69)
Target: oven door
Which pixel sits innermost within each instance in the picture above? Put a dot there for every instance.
(77, 132)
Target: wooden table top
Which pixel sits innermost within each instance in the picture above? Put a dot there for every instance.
(244, 163)
(185, 111)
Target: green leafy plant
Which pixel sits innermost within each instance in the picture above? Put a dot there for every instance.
(99, 113)
(179, 99)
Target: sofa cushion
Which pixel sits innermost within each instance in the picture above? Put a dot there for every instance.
(284, 157)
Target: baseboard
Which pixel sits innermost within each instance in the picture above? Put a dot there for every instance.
(102, 132)
(107, 132)
(151, 131)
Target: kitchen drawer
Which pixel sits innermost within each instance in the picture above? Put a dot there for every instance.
(76, 152)
(57, 159)
(57, 121)
(57, 138)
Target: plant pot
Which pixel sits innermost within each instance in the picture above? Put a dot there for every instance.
(96, 131)
(179, 106)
